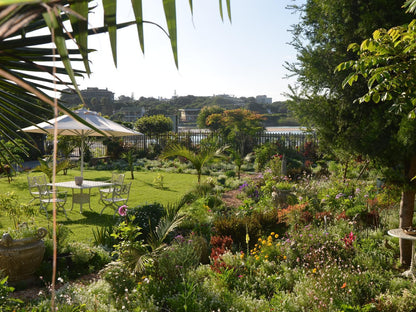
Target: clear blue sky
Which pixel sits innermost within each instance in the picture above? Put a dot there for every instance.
(242, 58)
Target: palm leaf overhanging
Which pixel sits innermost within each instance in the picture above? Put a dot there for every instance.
(35, 59)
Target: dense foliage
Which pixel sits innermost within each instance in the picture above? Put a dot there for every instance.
(323, 248)
(154, 125)
(369, 129)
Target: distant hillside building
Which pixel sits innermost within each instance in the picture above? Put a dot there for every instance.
(100, 100)
(263, 99)
(131, 114)
(188, 116)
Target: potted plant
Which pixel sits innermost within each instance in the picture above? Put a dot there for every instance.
(22, 248)
(20, 258)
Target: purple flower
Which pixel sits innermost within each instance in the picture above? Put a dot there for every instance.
(122, 210)
(179, 238)
(339, 195)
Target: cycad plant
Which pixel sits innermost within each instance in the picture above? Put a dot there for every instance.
(46, 166)
(198, 159)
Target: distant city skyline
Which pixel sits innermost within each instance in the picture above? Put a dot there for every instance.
(243, 59)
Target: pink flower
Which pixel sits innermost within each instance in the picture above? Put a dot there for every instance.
(122, 210)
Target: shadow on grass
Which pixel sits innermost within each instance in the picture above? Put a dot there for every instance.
(92, 218)
(158, 188)
(21, 185)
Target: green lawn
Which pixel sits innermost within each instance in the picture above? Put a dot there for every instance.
(142, 191)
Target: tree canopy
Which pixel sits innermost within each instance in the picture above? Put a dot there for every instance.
(154, 125)
(387, 63)
(321, 39)
(369, 127)
(205, 112)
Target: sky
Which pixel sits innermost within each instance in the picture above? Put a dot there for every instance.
(242, 58)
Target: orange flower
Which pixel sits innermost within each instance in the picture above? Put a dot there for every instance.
(344, 285)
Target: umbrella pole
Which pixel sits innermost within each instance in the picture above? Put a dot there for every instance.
(82, 156)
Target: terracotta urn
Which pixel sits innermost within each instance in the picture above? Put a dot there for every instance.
(20, 258)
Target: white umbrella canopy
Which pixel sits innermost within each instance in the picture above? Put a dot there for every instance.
(67, 125)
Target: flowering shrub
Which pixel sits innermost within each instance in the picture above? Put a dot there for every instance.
(250, 190)
(294, 214)
(220, 244)
(311, 249)
(349, 240)
(122, 210)
(268, 249)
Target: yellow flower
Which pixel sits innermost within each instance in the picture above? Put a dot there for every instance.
(266, 256)
(257, 257)
(242, 255)
(276, 236)
(284, 257)
(264, 242)
(259, 239)
(314, 271)
(269, 244)
(269, 238)
(272, 233)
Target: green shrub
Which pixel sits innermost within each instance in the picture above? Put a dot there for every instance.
(221, 179)
(121, 278)
(86, 259)
(230, 173)
(102, 237)
(7, 303)
(257, 224)
(145, 216)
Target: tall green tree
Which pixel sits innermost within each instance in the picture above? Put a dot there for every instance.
(237, 127)
(321, 38)
(154, 125)
(388, 65)
(205, 112)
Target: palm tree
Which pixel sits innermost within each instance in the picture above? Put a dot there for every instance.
(198, 160)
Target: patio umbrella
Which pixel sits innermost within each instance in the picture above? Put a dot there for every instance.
(69, 126)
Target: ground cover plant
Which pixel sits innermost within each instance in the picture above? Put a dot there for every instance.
(325, 248)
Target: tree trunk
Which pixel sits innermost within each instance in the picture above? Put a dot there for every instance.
(406, 217)
(407, 205)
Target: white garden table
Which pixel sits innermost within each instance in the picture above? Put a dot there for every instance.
(81, 197)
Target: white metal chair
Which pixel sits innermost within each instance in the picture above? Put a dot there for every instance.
(33, 182)
(119, 196)
(46, 197)
(116, 179)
